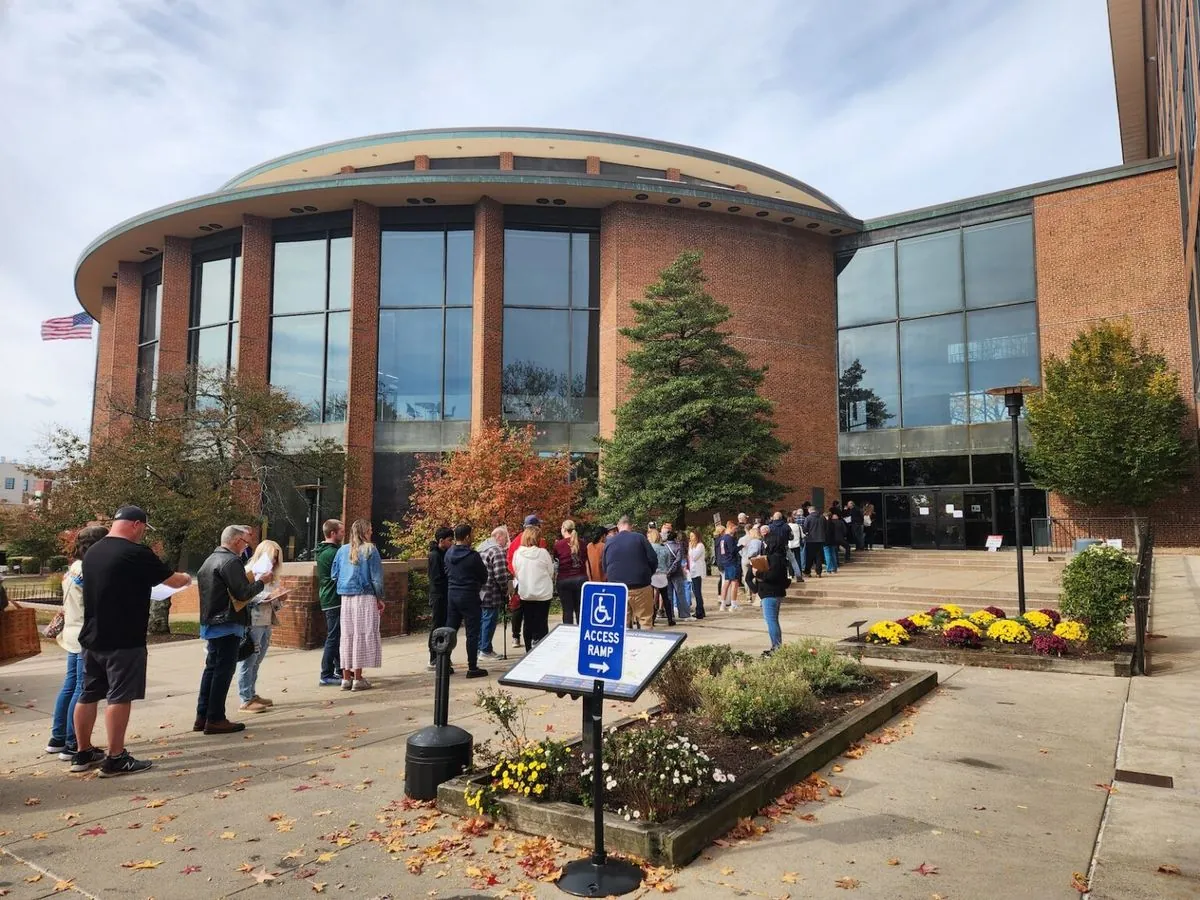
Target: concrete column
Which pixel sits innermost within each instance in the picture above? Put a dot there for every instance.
(364, 362)
(487, 331)
(258, 260)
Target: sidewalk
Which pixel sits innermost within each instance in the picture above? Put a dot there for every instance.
(1146, 827)
(992, 781)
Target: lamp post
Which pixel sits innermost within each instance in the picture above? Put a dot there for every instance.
(1014, 400)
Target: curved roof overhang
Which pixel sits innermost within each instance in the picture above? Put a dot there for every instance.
(97, 264)
(401, 146)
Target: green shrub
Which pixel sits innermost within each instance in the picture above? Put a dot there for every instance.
(57, 563)
(819, 663)
(1097, 588)
(675, 686)
(757, 698)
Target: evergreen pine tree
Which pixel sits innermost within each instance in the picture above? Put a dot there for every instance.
(694, 433)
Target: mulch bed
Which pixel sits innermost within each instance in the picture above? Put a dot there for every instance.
(931, 640)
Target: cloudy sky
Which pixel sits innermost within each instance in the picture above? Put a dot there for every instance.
(112, 107)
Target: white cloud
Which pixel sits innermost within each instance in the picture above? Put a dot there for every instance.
(114, 108)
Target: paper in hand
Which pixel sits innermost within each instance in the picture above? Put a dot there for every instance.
(262, 566)
(163, 592)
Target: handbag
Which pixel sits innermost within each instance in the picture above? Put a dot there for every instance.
(55, 628)
(246, 648)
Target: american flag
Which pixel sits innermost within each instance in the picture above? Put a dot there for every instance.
(68, 328)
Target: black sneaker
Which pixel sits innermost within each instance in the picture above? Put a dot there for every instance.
(477, 673)
(123, 765)
(68, 753)
(55, 746)
(87, 759)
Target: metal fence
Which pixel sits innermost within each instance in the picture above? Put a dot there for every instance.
(1142, 574)
(35, 592)
(1062, 535)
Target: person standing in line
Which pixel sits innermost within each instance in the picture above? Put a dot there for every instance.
(225, 595)
(573, 572)
(814, 541)
(696, 563)
(435, 567)
(331, 603)
(659, 580)
(751, 546)
(727, 562)
(677, 579)
(262, 620)
(772, 584)
(534, 569)
(630, 560)
(795, 546)
(466, 575)
(514, 603)
(121, 571)
(835, 537)
(869, 526)
(358, 571)
(595, 551)
(779, 526)
(854, 520)
(62, 728)
(493, 598)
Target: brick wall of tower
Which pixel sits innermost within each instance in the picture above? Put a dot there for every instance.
(106, 336)
(780, 287)
(176, 303)
(364, 358)
(258, 260)
(487, 318)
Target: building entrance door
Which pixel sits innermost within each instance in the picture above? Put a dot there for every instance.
(979, 518)
(938, 519)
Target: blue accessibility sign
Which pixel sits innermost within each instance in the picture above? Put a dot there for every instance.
(602, 630)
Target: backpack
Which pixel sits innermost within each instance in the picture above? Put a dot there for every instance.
(676, 564)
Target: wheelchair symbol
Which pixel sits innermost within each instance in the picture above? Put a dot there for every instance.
(602, 610)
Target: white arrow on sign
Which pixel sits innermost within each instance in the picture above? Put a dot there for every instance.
(599, 667)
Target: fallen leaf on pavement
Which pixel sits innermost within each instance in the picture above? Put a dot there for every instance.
(301, 787)
(171, 839)
(228, 835)
(837, 769)
(318, 886)
(658, 877)
(415, 865)
(1079, 882)
(68, 816)
(834, 791)
(188, 870)
(327, 857)
(1168, 869)
(728, 870)
(40, 835)
(93, 832)
(926, 869)
(855, 751)
(847, 883)
(262, 876)
(1111, 788)
(893, 861)
(275, 817)
(32, 801)
(142, 864)
(33, 879)
(64, 885)
(789, 877)
(295, 854)
(323, 812)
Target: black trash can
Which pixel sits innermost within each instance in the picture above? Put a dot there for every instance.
(440, 751)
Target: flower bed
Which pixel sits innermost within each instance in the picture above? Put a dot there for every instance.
(731, 731)
(1040, 639)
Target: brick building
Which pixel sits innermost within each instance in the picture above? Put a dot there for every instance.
(409, 287)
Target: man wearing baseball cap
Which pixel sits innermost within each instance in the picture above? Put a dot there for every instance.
(120, 571)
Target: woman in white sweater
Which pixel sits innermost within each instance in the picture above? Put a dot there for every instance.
(535, 580)
(62, 731)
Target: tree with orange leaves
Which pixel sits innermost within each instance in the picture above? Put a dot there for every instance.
(497, 477)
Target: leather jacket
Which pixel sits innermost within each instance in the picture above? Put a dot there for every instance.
(222, 576)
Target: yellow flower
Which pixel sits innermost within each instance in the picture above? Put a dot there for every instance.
(1006, 631)
(982, 618)
(1070, 630)
(921, 619)
(1038, 619)
(954, 612)
(886, 632)
(962, 623)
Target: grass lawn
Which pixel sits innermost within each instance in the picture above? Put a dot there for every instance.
(184, 626)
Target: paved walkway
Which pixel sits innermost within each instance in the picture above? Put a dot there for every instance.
(991, 789)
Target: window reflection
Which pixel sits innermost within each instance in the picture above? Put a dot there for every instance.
(999, 262)
(1001, 350)
(298, 359)
(337, 367)
(866, 286)
(215, 304)
(868, 383)
(537, 373)
(299, 276)
(537, 267)
(930, 273)
(932, 371)
(410, 364)
(147, 366)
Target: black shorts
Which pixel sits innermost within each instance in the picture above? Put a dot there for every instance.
(118, 676)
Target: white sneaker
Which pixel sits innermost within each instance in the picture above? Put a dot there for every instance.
(361, 684)
(347, 684)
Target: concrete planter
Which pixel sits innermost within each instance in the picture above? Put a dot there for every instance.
(1120, 665)
(678, 841)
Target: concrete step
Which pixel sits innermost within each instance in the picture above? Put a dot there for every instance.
(886, 559)
(913, 603)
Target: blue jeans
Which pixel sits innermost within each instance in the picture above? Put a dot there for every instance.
(218, 675)
(794, 557)
(770, 608)
(678, 592)
(247, 669)
(330, 664)
(831, 557)
(487, 628)
(63, 728)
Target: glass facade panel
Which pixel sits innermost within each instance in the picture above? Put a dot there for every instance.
(299, 276)
(339, 273)
(237, 287)
(456, 402)
(337, 367)
(151, 307)
(933, 371)
(460, 267)
(585, 368)
(410, 365)
(937, 470)
(930, 273)
(1002, 349)
(537, 365)
(147, 374)
(211, 292)
(999, 262)
(298, 359)
(870, 472)
(411, 268)
(866, 286)
(585, 271)
(868, 383)
(537, 268)
(210, 347)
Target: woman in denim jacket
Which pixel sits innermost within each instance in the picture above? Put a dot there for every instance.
(358, 572)
(262, 619)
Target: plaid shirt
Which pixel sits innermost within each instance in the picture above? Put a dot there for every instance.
(495, 591)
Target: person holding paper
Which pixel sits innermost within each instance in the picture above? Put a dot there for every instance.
(265, 561)
(225, 594)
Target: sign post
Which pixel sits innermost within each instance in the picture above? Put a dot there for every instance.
(601, 656)
(994, 541)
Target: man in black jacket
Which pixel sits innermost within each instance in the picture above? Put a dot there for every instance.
(854, 519)
(814, 541)
(466, 574)
(225, 591)
(435, 565)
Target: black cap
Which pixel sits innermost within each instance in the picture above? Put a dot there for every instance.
(132, 514)
(533, 520)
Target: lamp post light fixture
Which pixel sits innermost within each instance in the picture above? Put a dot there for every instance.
(1014, 400)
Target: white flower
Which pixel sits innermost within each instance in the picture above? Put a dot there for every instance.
(687, 779)
(731, 778)
(626, 817)
(604, 766)
(637, 814)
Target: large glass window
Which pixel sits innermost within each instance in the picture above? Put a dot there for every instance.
(551, 325)
(1001, 350)
(930, 273)
(426, 283)
(868, 381)
(147, 356)
(999, 262)
(310, 327)
(932, 373)
(215, 306)
(866, 286)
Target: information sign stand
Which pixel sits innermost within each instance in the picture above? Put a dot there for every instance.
(594, 659)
